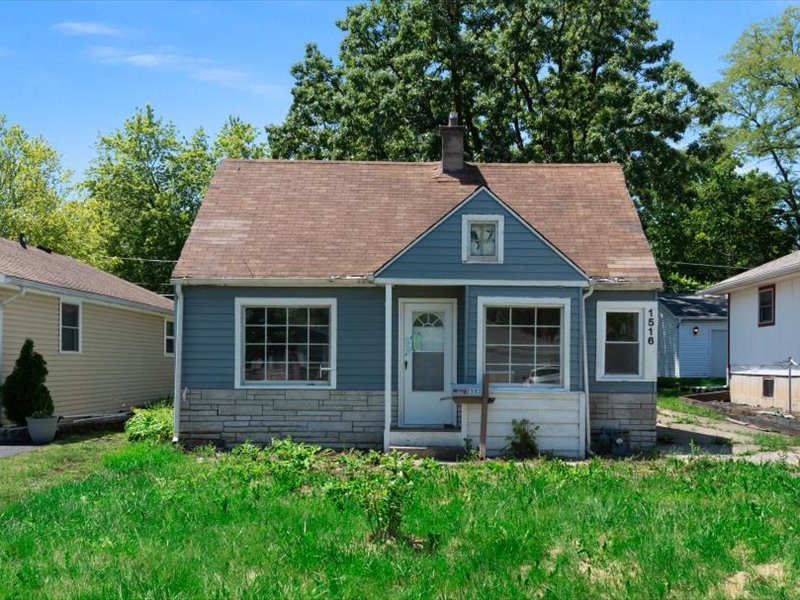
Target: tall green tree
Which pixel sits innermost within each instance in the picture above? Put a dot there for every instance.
(37, 199)
(533, 80)
(761, 92)
(148, 182)
(728, 223)
(239, 139)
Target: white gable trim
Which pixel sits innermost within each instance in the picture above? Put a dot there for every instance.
(458, 207)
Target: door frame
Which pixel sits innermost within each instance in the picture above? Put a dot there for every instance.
(401, 328)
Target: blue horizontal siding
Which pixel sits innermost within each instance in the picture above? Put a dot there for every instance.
(606, 387)
(438, 254)
(574, 295)
(209, 325)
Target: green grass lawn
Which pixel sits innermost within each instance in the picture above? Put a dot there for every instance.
(672, 390)
(144, 521)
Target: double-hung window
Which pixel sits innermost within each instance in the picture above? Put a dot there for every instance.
(766, 305)
(286, 342)
(626, 341)
(169, 337)
(70, 327)
(523, 342)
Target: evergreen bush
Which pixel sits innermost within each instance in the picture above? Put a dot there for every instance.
(24, 392)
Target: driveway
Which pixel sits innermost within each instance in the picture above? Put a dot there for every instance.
(16, 449)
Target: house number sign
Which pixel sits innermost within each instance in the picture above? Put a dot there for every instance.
(651, 323)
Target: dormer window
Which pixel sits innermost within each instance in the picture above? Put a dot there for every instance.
(482, 239)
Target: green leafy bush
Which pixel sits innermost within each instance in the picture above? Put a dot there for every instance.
(24, 392)
(151, 423)
(381, 484)
(522, 442)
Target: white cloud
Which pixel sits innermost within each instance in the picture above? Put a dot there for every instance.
(88, 28)
(200, 69)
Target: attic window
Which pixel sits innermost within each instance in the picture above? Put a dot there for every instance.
(482, 238)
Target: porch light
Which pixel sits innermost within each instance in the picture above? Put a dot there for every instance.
(695, 330)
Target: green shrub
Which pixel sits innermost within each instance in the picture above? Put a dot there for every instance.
(381, 484)
(24, 392)
(522, 442)
(152, 423)
(290, 462)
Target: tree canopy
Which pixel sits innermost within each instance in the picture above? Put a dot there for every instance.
(761, 92)
(36, 198)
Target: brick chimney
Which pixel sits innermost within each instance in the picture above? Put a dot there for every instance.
(452, 145)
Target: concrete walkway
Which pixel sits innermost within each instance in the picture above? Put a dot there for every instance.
(6, 451)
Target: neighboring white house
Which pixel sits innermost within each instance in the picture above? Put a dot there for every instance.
(764, 322)
(692, 336)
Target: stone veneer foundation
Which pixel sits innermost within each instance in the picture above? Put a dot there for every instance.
(634, 414)
(330, 418)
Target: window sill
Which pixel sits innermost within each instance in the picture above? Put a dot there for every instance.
(624, 379)
(282, 386)
(483, 261)
(526, 389)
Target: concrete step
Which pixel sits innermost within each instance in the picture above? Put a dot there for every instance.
(437, 452)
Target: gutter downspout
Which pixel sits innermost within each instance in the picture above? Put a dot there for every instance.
(585, 349)
(3, 303)
(387, 369)
(177, 395)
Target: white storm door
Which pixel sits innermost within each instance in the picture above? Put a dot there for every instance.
(427, 363)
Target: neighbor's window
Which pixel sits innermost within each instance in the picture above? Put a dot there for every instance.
(70, 327)
(766, 306)
(522, 345)
(169, 337)
(622, 345)
(287, 343)
(768, 388)
(482, 238)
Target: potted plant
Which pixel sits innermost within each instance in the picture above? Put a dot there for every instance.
(26, 399)
(42, 426)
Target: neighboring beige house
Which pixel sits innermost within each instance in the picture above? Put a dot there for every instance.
(108, 344)
(764, 322)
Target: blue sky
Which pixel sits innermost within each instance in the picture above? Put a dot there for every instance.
(72, 70)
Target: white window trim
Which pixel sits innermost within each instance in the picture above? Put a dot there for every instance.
(168, 337)
(466, 222)
(240, 303)
(526, 302)
(79, 304)
(605, 307)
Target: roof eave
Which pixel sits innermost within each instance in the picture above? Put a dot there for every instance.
(101, 298)
(727, 286)
(629, 285)
(332, 281)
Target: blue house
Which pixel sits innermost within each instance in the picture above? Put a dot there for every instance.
(343, 302)
(693, 336)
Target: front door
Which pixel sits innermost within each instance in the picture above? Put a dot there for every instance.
(427, 363)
